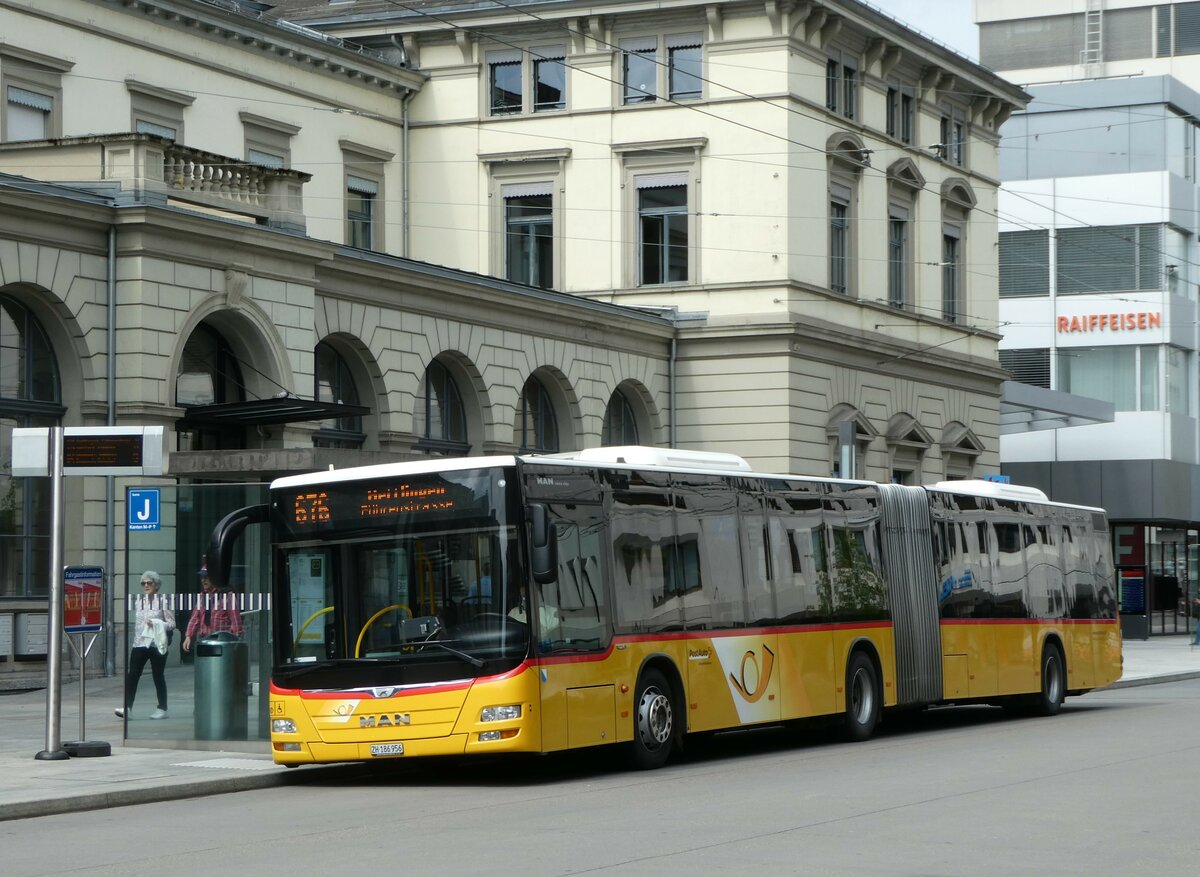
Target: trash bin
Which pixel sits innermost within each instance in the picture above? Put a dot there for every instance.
(222, 679)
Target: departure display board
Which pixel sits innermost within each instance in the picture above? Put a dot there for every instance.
(89, 450)
(94, 450)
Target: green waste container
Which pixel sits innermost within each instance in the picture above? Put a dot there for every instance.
(222, 680)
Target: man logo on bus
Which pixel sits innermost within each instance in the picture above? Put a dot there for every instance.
(385, 721)
(760, 678)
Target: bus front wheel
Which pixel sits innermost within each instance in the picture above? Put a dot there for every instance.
(654, 722)
(863, 698)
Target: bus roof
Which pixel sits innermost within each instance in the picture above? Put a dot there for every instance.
(385, 470)
(635, 457)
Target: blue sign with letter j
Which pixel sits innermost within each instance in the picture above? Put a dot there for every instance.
(143, 510)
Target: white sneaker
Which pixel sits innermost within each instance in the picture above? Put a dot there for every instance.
(119, 712)
(158, 714)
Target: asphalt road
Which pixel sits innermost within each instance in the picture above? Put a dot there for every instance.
(1108, 787)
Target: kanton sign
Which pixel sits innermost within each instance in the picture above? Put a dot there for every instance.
(1133, 321)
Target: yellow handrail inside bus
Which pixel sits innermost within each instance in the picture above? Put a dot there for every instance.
(425, 588)
(305, 625)
(372, 620)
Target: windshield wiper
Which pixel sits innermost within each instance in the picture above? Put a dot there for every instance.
(470, 659)
(297, 671)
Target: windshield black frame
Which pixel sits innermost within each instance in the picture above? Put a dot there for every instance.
(398, 579)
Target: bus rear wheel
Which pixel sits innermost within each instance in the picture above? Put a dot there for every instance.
(863, 698)
(653, 723)
(1054, 683)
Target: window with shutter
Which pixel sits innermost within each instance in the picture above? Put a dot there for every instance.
(1046, 41)
(1028, 366)
(1187, 28)
(1024, 263)
(1113, 258)
(1127, 34)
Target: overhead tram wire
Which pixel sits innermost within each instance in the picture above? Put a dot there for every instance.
(687, 105)
(770, 102)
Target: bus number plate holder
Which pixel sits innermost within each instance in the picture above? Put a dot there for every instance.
(387, 749)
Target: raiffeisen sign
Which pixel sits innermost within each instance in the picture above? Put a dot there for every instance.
(1130, 321)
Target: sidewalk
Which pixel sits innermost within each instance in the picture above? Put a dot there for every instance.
(134, 774)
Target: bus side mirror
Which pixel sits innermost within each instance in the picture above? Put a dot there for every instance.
(543, 545)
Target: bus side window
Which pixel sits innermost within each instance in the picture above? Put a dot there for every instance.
(796, 538)
(855, 579)
(643, 533)
(708, 552)
(756, 559)
(572, 609)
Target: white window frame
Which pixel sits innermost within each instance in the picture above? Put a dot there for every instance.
(954, 229)
(510, 173)
(954, 132)
(364, 168)
(37, 74)
(900, 120)
(526, 61)
(156, 110)
(268, 142)
(842, 188)
(649, 159)
(658, 48)
(843, 84)
(901, 210)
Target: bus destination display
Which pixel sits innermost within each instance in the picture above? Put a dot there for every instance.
(80, 451)
(368, 502)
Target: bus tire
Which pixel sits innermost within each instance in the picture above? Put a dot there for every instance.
(653, 721)
(863, 698)
(1054, 682)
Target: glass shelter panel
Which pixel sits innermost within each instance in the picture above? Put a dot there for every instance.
(216, 689)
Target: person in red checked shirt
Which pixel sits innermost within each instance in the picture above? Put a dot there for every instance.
(216, 610)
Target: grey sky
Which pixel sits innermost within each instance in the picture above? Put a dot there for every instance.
(949, 21)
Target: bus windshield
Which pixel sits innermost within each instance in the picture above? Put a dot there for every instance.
(398, 580)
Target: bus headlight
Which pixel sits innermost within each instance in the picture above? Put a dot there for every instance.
(500, 713)
(283, 726)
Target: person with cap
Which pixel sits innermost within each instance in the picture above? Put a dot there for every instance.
(154, 623)
(215, 611)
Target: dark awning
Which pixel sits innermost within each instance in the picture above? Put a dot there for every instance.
(258, 412)
(1025, 408)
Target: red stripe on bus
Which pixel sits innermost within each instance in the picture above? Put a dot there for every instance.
(1046, 621)
(685, 635)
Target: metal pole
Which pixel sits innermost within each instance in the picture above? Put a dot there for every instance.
(110, 503)
(54, 620)
(83, 682)
(847, 435)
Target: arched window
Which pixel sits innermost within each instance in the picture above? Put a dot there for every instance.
(209, 374)
(440, 421)
(537, 428)
(335, 383)
(30, 395)
(620, 424)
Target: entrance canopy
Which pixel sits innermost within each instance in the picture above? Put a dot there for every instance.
(1024, 408)
(260, 412)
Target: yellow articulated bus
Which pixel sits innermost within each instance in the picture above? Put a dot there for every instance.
(632, 596)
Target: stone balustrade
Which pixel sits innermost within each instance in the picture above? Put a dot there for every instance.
(149, 167)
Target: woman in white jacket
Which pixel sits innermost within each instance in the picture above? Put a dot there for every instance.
(153, 625)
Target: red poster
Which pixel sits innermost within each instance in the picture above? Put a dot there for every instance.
(83, 599)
